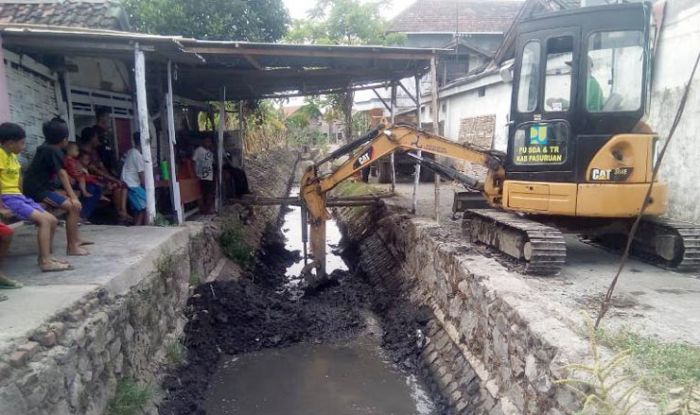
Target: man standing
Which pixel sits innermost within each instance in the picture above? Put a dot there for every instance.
(133, 176)
(203, 159)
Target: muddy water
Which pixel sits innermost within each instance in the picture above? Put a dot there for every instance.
(342, 378)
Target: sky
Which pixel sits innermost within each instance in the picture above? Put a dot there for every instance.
(298, 8)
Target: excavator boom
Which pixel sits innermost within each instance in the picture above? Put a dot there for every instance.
(372, 147)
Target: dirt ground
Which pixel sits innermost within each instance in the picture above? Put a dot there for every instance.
(254, 313)
(649, 300)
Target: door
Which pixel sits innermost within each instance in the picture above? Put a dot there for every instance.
(542, 108)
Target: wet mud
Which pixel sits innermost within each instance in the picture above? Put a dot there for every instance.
(258, 312)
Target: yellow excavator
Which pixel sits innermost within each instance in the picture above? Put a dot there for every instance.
(579, 158)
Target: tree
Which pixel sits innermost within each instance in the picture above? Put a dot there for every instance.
(343, 22)
(246, 20)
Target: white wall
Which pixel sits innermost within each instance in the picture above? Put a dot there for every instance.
(32, 91)
(679, 46)
(102, 74)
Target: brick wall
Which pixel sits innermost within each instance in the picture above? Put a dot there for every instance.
(476, 131)
(32, 101)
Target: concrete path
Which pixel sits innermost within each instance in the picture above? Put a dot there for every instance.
(649, 300)
(120, 258)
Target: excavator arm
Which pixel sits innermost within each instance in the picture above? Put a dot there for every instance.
(384, 141)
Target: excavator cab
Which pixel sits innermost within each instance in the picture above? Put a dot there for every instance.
(580, 85)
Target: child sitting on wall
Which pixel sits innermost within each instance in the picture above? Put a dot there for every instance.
(12, 138)
(90, 189)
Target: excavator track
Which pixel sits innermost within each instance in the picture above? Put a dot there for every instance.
(666, 243)
(539, 247)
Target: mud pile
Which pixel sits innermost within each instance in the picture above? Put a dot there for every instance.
(250, 314)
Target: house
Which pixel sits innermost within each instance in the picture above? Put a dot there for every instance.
(73, 87)
(472, 29)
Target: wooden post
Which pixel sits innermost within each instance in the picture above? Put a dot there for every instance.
(142, 105)
(416, 179)
(436, 128)
(4, 94)
(220, 152)
(174, 184)
(393, 120)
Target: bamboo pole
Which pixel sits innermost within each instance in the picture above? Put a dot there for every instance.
(436, 128)
(142, 107)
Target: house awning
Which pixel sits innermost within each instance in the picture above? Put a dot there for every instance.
(246, 69)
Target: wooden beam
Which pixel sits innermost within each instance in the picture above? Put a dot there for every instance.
(416, 179)
(220, 151)
(175, 185)
(317, 52)
(387, 106)
(392, 110)
(142, 105)
(415, 101)
(436, 128)
(253, 62)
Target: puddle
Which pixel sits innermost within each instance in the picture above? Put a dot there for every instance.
(315, 379)
(291, 228)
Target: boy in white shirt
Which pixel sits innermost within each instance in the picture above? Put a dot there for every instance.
(133, 176)
(203, 159)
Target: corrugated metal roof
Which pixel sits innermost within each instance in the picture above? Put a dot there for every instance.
(465, 16)
(246, 69)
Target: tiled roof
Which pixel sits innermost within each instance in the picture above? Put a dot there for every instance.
(95, 14)
(465, 16)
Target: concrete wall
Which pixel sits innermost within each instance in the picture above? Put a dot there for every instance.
(495, 344)
(71, 364)
(679, 45)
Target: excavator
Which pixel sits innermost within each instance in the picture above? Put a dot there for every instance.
(579, 157)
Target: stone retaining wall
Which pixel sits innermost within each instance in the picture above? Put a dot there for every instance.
(494, 345)
(71, 365)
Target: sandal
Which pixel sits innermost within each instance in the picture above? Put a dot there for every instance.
(86, 242)
(9, 284)
(3, 297)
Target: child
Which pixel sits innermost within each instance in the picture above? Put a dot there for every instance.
(88, 145)
(90, 190)
(133, 176)
(12, 143)
(45, 168)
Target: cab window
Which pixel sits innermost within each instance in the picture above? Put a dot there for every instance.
(529, 84)
(558, 73)
(615, 75)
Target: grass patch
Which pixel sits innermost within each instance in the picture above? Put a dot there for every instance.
(130, 398)
(232, 243)
(195, 279)
(176, 353)
(356, 188)
(165, 265)
(663, 366)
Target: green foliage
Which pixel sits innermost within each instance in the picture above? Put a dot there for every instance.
(343, 22)
(669, 371)
(165, 265)
(175, 353)
(232, 243)
(251, 20)
(601, 387)
(162, 221)
(195, 279)
(129, 399)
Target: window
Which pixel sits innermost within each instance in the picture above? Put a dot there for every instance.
(615, 77)
(529, 77)
(444, 107)
(557, 82)
(482, 91)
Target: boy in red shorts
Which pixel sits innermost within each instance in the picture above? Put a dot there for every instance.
(5, 239)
